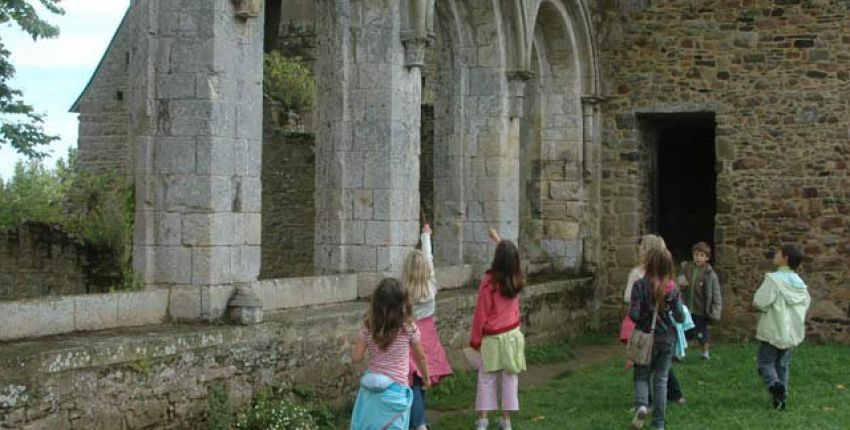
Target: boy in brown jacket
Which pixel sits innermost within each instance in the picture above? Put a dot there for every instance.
(701, 294)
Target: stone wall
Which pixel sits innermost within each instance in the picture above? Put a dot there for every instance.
(160, 376)
(103, 140)
(37, 260)
(775, 76)
(289, 209)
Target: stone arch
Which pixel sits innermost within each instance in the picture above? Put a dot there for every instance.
(554, 197)
(441, 184)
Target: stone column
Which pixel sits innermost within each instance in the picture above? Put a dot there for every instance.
(198, 173)
(367, 141)
(591, 172)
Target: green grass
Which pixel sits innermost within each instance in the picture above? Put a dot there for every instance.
(723, 393)
(453, 393)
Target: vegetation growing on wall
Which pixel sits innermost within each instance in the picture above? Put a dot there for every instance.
(288, 81)
(98, 209)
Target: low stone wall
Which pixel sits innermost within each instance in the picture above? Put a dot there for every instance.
(160, 376)
(58, 315)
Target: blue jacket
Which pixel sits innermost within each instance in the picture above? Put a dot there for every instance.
(382, 404)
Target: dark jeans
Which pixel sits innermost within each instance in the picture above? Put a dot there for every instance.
(674, 388)
(774, 364)
(700, 330)
(417, 410)
(659, 368)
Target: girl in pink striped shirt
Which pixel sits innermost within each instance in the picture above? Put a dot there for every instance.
(389, 333)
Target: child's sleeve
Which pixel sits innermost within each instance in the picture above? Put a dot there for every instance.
(425, 238)
(715, 308)
(634, 304)
(483, 303)
(765, 295)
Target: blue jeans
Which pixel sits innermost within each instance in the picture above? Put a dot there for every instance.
(774, 364)
(417, 410)
(659, 367)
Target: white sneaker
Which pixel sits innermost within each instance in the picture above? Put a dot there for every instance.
(504, 424)
(640, 415)
(481, 424)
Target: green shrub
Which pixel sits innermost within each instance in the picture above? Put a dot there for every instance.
(267, 413)
(98, 209)
(219, 413)
(289, 82)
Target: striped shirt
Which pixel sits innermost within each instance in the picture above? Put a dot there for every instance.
(393, 361)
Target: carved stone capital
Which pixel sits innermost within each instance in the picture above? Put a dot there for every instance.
(516, 84)
(244, 9)
(592, 100)
(415, 43)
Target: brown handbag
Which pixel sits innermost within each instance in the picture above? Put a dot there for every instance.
(639, 348)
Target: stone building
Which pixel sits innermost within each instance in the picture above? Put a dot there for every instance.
(571, 126)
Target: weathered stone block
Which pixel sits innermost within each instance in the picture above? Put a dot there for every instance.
(368, 281)
(211, 265)
(562, 230)
(42, 317)
(140, 308)
(185, 303)
(296, 292)
(172, 265)
(359, 258)
(208, 229)
(95, 312)
(456, 276)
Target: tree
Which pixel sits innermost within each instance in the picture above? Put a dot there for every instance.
(22, 127)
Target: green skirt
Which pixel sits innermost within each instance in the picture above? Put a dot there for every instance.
(505, 351)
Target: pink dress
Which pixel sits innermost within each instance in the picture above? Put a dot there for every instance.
(435, 355)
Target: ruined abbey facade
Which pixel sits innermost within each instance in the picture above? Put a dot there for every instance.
(571, 126)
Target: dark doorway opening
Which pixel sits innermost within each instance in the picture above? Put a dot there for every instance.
(684, 178)
(426, 162)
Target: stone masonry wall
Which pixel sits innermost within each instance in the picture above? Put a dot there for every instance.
(160, 376)
(775, 74)
(37, 260)
(289, 210)
(103, 141)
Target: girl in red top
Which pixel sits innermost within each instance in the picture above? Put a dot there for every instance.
(495, 333)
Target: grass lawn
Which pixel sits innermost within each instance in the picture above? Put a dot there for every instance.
(723, 393)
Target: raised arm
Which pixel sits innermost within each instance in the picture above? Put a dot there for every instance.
(494, 235)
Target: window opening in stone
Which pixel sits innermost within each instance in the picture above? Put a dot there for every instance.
(685, 193)
(288, 155)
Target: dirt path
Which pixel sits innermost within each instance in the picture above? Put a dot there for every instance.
(586, 355)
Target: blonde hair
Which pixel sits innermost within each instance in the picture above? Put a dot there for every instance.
(415, 276)
(647, 243)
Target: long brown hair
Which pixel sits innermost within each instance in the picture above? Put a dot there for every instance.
(507, 269)
(389, 309)
(659, 270)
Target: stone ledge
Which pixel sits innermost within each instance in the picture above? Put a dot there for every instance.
(20, 359)
(58, 315)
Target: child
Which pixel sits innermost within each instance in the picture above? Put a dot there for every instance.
(655, 302)
(495, 332)
(420, 285)
(783, 300)
(389, 334)
(702, 294)
(645, 243)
